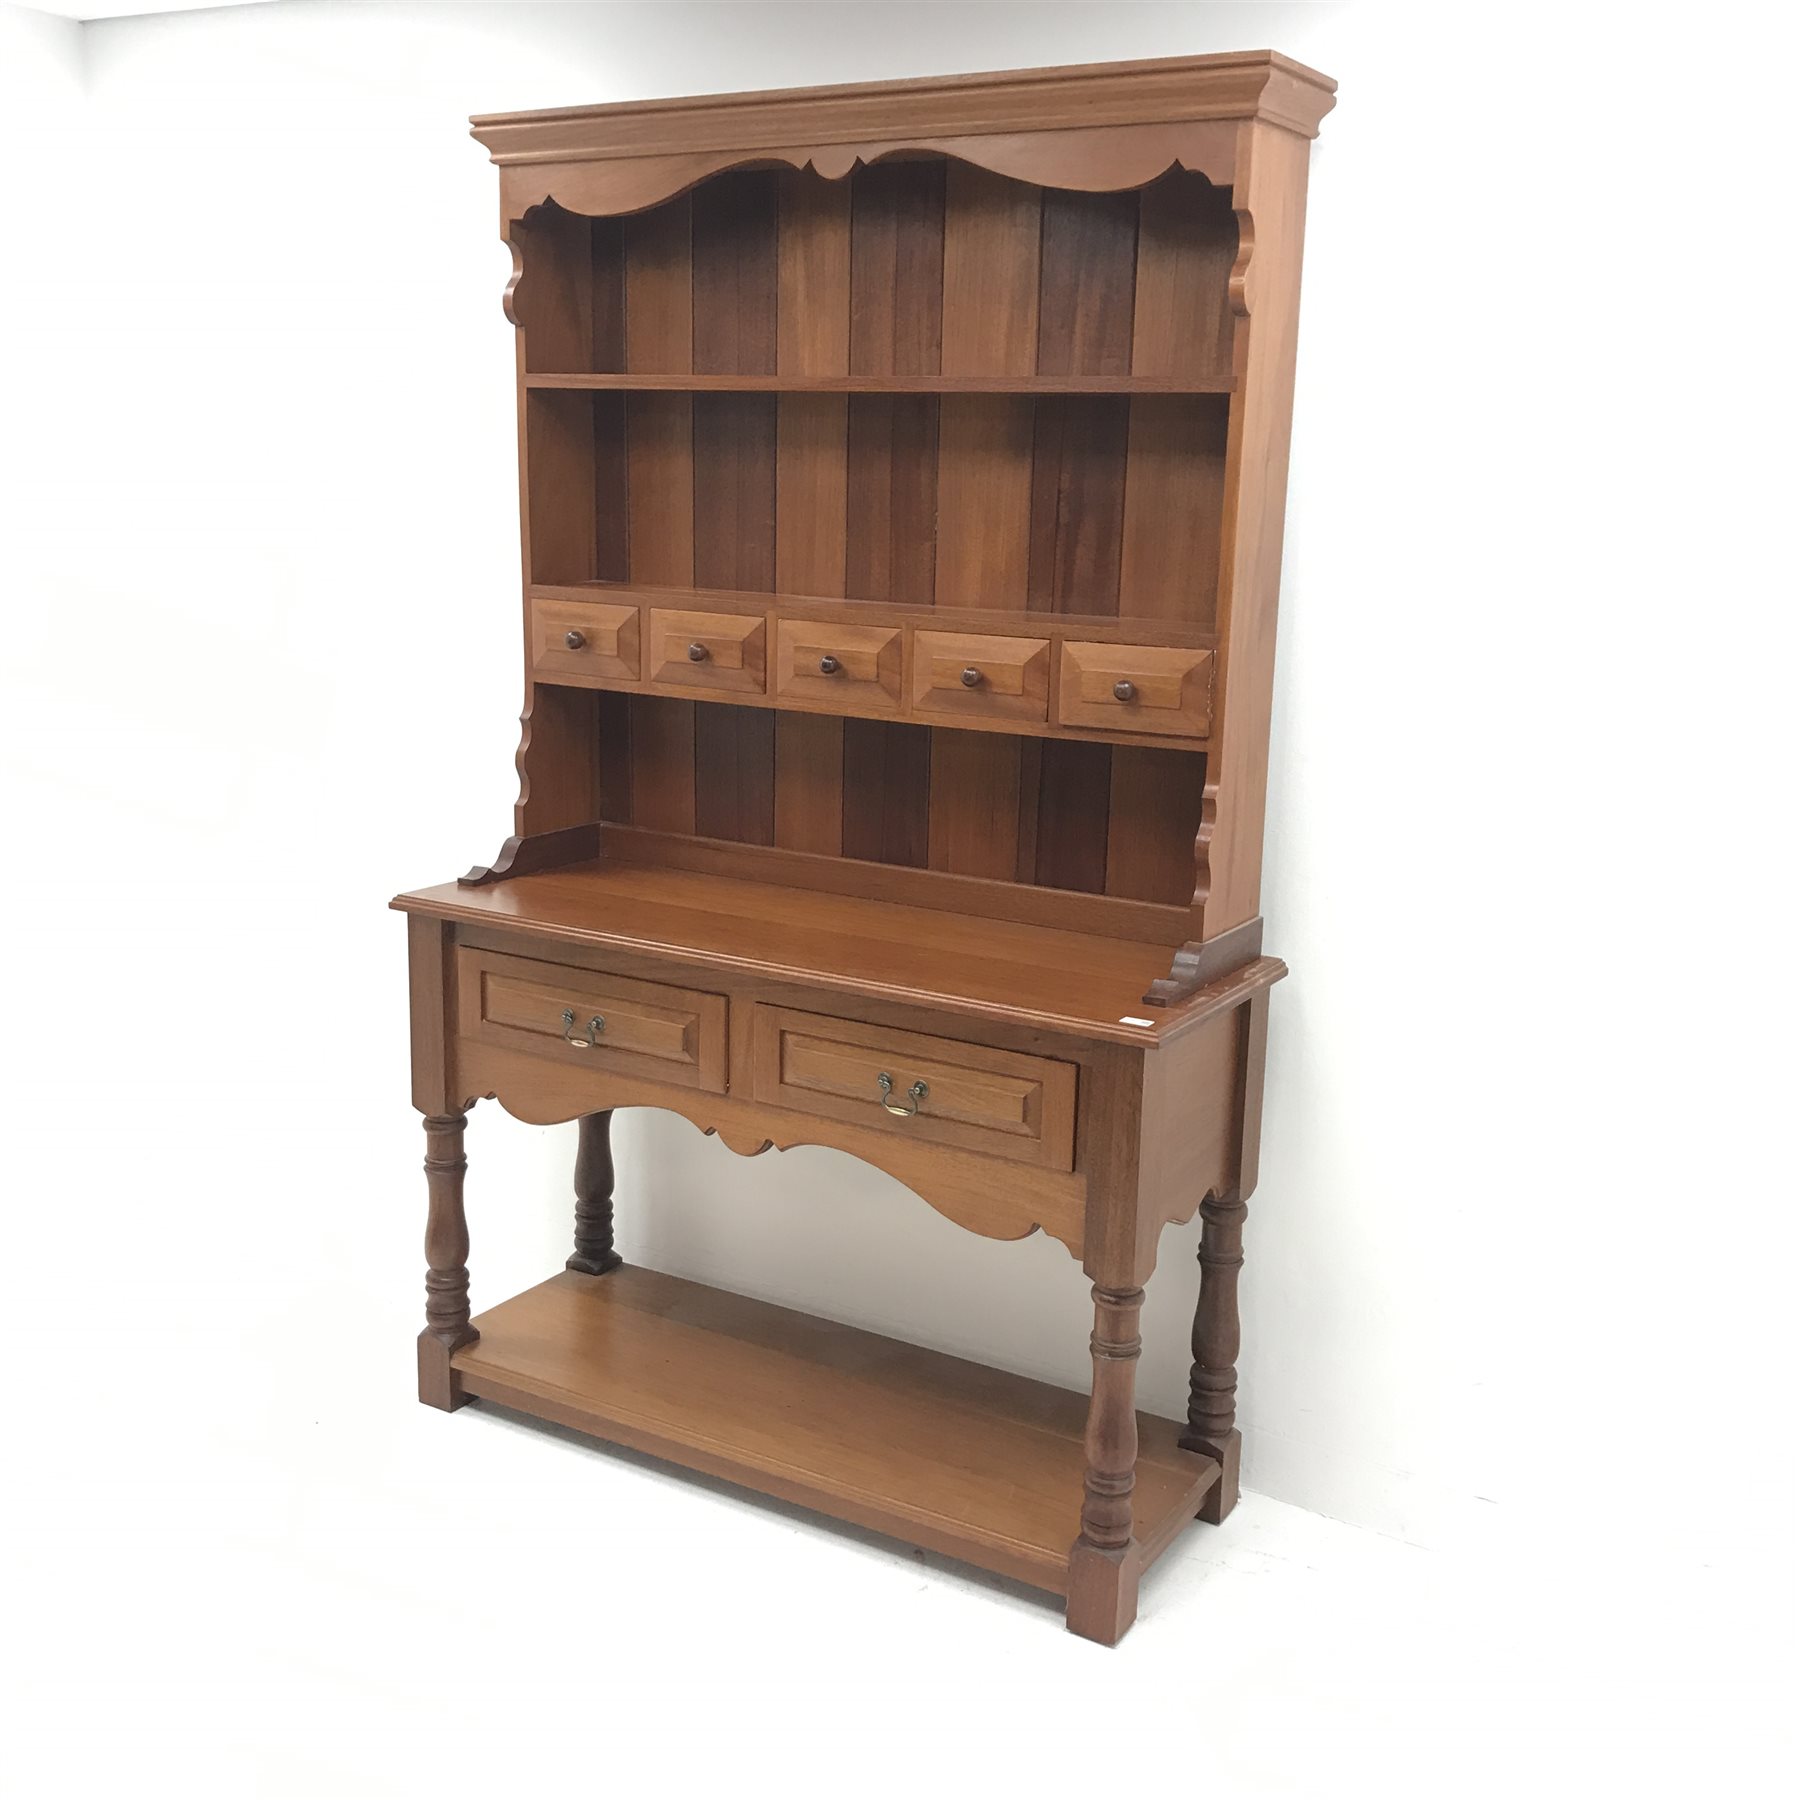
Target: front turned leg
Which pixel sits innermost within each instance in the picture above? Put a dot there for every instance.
(594, 1252)
(1104, 1565)
(447, 1326)
(1212, 1386)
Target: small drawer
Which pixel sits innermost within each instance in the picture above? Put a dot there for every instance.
(965, 1096)
(1135, 687)
(841, 668)
(587, 1020)
(980, 677)
(722, 651)
(583, 641)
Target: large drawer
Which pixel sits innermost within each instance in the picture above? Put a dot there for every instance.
(585, 1019)
(938, 1090)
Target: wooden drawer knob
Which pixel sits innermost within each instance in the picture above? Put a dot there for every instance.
(697, 653)
(829, 665)
(1124, 690)
(576, 640)
(971, 678)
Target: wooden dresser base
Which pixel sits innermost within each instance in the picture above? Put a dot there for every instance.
(947, 1454)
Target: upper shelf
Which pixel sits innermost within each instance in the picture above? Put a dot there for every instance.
(891, 384)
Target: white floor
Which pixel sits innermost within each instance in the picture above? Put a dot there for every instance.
(344, 1594)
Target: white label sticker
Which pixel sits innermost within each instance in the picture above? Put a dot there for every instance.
(1146, 1023)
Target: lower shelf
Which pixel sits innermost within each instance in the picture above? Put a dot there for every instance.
(947, 1454)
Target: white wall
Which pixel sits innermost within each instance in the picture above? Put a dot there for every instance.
(1513, 1240)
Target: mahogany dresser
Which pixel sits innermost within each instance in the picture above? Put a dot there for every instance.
(902, 471)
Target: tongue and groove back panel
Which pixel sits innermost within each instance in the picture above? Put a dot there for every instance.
(1100, 505)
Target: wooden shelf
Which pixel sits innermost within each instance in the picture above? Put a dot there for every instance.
(966, 1460)
(1065, 981)
(888, 384)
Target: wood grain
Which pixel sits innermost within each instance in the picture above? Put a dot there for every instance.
(1173, 510)
(970, 1461)
(734, 263)
(974, 826)
(1187, 243)
(991, 228)
(897, 269)
(1086, 283)
(813, 316)
(734, 774)
(809, 783)
(891, 529)
(887, 789)
(1077, 505)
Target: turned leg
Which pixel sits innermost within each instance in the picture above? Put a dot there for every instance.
(1212, 1387)
(594, 1252)
(1104, 1565)
(447, 1326)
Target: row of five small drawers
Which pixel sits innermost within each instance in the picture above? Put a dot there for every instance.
(841, 666)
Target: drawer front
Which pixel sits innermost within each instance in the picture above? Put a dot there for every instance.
(981, 677)
(1135, 687)
(644, 1028)
(843, 668)
(584, 641)
(965, 1096)
(720, 651)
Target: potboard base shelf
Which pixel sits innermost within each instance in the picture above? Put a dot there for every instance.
(955, 1457)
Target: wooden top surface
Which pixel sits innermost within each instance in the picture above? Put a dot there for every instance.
(986, 968)
(1239, 84)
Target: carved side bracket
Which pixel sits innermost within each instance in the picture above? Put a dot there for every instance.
(533, 854)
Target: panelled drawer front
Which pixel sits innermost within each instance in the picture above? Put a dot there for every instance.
(721, 651)
(584, 641)
(842, 668)
(983, 677)
(646, 1029)
(1135, 687)
(998, 1102)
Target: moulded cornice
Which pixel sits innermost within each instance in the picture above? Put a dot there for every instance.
(1252, 84)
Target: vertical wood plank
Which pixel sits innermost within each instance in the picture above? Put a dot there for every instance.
(662, 763)
(606, 266)
(887, 788)
(811, 473)
(615, 757)
(897, 269)
(1031, 770)
(610, 502)
(813, 238)
(734, 773)
(553, 301)
(560, 483)
(1077, 503)
(1073, 795)
(1153, 814)
(1174, 508)
(1086, 282)
(809, 782)
(991, 231)
(734, 256)
(974, 826)
(1187, 242)
(984, 500)
(659, 435)
(891, 529)
(659, 290)
(734, 491)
